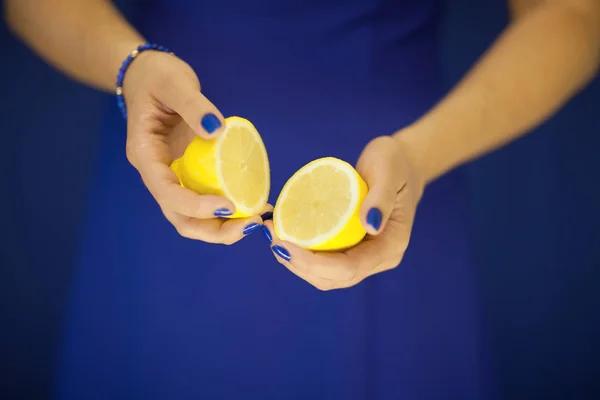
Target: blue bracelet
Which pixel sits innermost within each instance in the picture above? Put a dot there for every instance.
(123, 69)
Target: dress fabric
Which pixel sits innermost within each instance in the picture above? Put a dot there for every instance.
(155, 316)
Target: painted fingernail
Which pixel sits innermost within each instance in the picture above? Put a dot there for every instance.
(281, 252)
(374, 218)
(248, 229)
(210, 123)
(267, 216)
(223, 212)
(267, 233)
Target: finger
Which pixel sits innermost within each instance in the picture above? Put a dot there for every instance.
(219, 231)
(182, 95)
(233, 230)
(150, 155)
(321, 284)
(373, 255)
(378, 167)
(169, 194)
(320, 265)
(280, 253)
(382, 252)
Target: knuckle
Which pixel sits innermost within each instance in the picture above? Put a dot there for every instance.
(323, 286)
(161, 199)
(166, 199)
(177, 204)
(347, 284)
(391, 264)
(320, 287)
(394, 250)
(347, 269)
(184, 231)
(130, 152)
(342, 271)
(398, 255)
(229, 240)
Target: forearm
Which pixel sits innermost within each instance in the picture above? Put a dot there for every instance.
(536, 65)
(86, 39)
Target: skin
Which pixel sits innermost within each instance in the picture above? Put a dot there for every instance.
(549, 52)
(162, 93)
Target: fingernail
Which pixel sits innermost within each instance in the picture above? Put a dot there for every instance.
(267, 233)
(267, 216)
(210, 123)
(248, 229)
(223, 212)
(374, 218)
(281, 252)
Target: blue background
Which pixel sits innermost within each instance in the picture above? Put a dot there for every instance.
(534, 218)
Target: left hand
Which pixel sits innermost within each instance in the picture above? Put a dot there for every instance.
(387, 213)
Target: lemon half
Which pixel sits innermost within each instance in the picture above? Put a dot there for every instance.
(319, 206)
(235, 165)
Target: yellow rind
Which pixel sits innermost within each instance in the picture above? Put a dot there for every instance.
(198, 169)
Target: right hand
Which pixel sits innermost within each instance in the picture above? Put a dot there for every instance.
(165, 111)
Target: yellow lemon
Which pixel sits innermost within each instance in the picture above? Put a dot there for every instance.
(319, 206)
(235, 165)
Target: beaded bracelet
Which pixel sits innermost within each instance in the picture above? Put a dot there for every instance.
(123, 69)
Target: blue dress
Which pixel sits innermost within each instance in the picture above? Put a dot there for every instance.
(156, 316)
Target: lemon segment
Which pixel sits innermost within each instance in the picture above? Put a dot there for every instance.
(319, 206)
(235, 165)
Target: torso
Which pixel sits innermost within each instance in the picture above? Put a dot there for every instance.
(155, 316)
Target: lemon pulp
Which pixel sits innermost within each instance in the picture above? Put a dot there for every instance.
(234, 165)
(319, 207)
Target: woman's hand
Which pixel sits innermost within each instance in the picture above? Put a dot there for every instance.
(165, 111)
(387, 213)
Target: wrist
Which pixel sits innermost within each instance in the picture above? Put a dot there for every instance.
(138, 71)
(417, 148)
(117, 55)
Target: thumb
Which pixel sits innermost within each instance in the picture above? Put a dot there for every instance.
(376, 166)
(182, 95)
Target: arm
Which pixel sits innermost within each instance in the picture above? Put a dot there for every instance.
(86, 39)
(549, 52)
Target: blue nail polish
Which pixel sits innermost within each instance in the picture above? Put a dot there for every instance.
(267, 216)
(374, 218)
(248, 229)
(267, 233)
(210, 123)
(223, 212)
(281, 252)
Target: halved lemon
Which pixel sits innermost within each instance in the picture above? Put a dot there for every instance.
(235, 165)
(319, 206)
